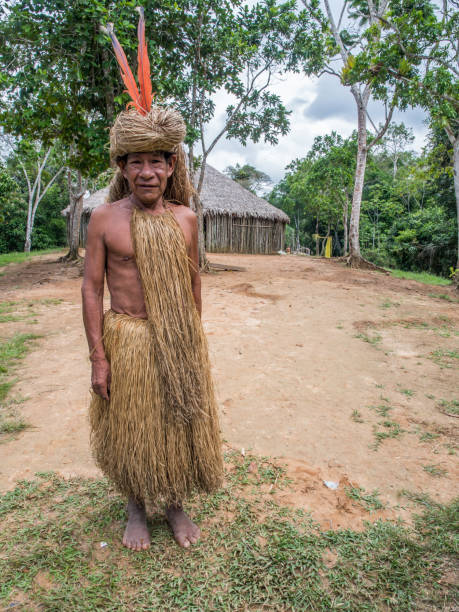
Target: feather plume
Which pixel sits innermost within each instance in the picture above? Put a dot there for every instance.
(126, 73)
(143, 63)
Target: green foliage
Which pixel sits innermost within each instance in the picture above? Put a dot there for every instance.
(408, 217)
(49, 227)
(317, 190)
(248, 176)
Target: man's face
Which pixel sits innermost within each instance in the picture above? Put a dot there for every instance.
(147, 175)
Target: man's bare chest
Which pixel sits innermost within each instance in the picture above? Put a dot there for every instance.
(118, 240)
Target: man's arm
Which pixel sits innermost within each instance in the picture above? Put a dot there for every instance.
(92, 291)
(194, 263)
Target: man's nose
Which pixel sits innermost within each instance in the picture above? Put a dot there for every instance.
(147, 170)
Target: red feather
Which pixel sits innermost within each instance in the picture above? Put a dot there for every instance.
(143, 65)
(126, 73)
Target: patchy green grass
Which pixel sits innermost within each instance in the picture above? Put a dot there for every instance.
(444, 296)
(428, 436)
(383, 409)
(388, 304)
(445, 359)
(253, 554)
(356, 416)
(373, 340)
(391, 429)
(370, 501)
(434, 470)
(12, 350)
(12, 426)
(421, 277)
(22, 309)
(408, 392)
(15, 257)
(450, 408)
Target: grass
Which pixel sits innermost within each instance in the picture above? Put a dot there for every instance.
(373, 340)
(356, 416)
(443, 296)
(254, 554)
(12, 425)
(12, 350)
(445, 359)
(370, 501)
(9, 309)
(15, 257)
(450, 408)
(382, 409)
(388, 304)
(421, 277)
(427, 436)
(434, 470)
(408, 392)
(391, 429)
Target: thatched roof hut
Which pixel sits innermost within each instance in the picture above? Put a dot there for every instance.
(235, 220)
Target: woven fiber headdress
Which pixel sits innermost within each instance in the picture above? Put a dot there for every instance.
(144, 126)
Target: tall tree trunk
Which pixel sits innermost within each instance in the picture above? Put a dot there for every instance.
(28, 239)
(76, 209)
(204, 265)
(456, 188)
(345, 221)
(317, 234)
(355, 257)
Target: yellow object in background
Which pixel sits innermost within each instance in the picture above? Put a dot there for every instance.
(328, 247)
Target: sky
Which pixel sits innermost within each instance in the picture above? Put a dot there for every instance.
(318, 105)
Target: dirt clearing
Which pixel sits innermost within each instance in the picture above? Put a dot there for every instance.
(350, 376)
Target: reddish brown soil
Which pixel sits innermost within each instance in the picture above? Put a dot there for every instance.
(289, 373)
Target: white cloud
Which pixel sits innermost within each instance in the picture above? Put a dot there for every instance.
(318, 106)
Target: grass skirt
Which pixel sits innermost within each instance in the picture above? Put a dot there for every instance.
(145, 453)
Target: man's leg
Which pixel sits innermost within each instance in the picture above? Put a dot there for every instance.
(185, 531)
(136, 535)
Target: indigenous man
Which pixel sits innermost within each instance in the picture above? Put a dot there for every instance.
(154, 425)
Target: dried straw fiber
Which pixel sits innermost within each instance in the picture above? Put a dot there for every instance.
(158, 436)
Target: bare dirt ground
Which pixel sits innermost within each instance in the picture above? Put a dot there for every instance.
(311, 360)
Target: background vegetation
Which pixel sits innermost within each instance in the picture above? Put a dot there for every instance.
(408, 215)
(378, 199)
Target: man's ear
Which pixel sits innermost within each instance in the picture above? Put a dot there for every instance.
(122, 166)
(171, 164)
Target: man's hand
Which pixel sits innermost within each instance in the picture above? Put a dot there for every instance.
(101, 378)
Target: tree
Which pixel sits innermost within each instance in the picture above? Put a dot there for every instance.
(318, 188)
(421, 52)
(60, 81)
(346, 40)
(59, 85)
(227, 46)
(397, 138)
(333, 173)
(248, 176)
(41, 168)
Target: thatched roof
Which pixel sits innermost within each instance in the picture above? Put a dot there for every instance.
(220, 195)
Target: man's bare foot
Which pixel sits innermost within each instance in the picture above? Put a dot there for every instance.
(185, 531)
(136, 536)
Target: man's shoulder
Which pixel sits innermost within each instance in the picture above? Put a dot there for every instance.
(184, 211)
(107, 209)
